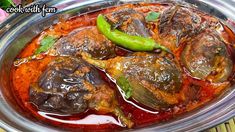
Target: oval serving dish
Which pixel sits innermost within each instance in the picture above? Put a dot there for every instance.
(19, 29)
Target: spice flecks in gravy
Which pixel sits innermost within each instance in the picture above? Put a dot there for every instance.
(191, 35)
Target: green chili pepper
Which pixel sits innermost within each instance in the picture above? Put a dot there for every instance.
(135, 43)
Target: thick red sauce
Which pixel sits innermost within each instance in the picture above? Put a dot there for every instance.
(25, 74)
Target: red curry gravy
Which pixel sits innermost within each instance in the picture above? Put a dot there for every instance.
(26, 73)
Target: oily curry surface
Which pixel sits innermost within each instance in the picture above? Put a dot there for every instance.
(124, 67)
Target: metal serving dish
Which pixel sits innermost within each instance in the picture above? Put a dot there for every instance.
(19, 29)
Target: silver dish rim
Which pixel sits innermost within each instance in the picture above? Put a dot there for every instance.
(213, 113)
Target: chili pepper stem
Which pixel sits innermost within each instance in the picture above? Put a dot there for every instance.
(158, 46)
(135, 43)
